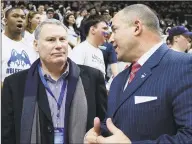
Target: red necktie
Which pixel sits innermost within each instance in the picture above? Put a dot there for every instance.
(135, 67)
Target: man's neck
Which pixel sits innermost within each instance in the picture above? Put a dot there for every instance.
(13, 36)
(92, 42)
(144, 48)
(54, 70)
(176, 48)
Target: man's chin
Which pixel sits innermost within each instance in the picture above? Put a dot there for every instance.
(60, 61)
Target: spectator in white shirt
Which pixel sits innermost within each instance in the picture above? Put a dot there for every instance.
(33, 19)
(88, 52)
(42, 12)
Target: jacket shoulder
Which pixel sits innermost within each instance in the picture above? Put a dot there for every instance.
(88, 69)
(179, 57)
(17, 77)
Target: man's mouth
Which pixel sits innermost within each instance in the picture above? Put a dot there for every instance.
(20, 26)
(59, 54)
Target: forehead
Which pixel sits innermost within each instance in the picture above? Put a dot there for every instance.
(17, 11)
(116, 18)
(102, 24)
(50, 12)
(71, 16)
(56, 30)
(37, 15)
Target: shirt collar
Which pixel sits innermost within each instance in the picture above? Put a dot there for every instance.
(63, 76)
(149, 53)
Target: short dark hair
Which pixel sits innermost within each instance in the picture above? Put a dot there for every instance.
(7, 12)
(91, 21)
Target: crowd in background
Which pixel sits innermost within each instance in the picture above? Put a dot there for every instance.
(73, 13)
(170, 13)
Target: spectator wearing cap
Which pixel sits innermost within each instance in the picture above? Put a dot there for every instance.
(50, 13)
(180, 38)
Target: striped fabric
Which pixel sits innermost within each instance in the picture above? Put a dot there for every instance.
(135, 67)
(166, 75)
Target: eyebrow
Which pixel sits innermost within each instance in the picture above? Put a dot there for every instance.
(18, 14)
(65, 37)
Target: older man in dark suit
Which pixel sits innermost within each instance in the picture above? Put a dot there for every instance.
(54, 101)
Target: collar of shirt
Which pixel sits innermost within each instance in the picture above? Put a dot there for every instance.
(63, 76)
(147, 55)
(90, 44)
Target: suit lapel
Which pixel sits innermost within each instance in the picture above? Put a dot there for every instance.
(43, 101)
(142, 75)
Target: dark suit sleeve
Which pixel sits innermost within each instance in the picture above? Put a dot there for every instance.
(181, 93)
(7, 115)
(101, 97)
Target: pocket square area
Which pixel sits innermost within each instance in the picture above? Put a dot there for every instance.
(143, 99)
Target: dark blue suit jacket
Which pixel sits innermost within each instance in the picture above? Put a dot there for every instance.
(166, 75)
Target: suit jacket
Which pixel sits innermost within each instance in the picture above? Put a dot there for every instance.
(166, 75)
(12, 102)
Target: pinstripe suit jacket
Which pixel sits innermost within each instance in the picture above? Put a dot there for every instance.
(168, 119)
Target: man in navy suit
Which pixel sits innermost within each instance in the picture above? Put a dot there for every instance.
(150, 101)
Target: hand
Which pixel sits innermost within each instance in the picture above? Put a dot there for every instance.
(92, 134)
(117, 137)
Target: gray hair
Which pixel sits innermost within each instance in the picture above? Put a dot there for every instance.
(146, 14)
(49, 21)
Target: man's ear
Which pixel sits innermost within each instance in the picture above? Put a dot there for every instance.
(92, 30)
(175, 38)
(138, 27)
(35, 45)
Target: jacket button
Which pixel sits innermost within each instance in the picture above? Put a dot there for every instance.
(49, 129)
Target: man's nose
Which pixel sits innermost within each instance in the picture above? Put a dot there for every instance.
(58, 44)
(111, 39)
(20, 19)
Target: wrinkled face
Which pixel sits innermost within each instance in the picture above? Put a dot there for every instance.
(99, 31)
(36, 20)
(184, 42)
(123, 37)
(50, 15)
(15, 21)
(71, 19)
(52, 47)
